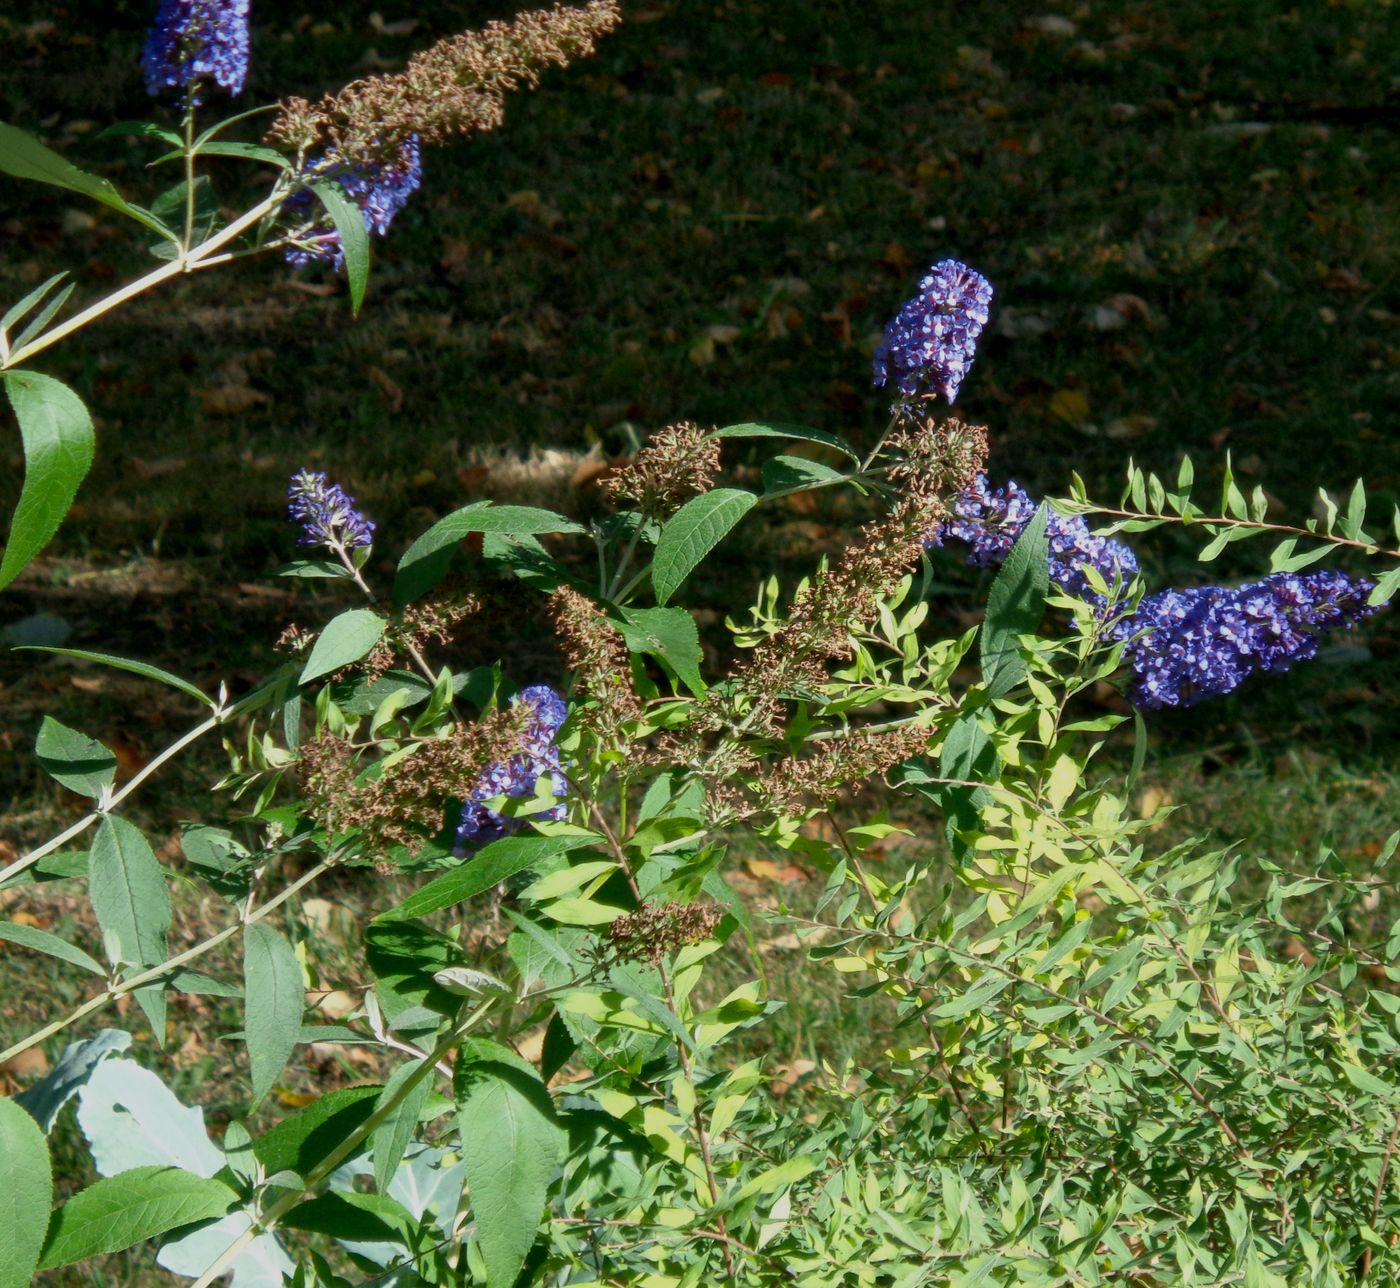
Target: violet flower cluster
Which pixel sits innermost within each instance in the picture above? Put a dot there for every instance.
(381, 188)
(1188, 645)
(989, 522)
(193, 42)
(931, 342)
(1183, 646)
(516, 777)
(326, 513)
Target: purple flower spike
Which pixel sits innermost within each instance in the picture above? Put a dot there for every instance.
(989, 522)
(380, 188)
(194, 41)
(932, 340)
(326, 513)
(1188, 645)
(544, 711)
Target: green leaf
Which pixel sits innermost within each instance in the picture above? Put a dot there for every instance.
(272, 984)
(297, 1144)
(25, 157)
(246, 151)
(784, 473)
(671, 635)
(69, 1074)
(58, 448)
(782, 429)
(1386, 586)
(35, 326)
(127, 886)
(140, 129)
(426, 560)
(1365, 1081)
(493, 864)
(346, 639)
(390, 1139)
(1015, 605)
(80, 763)
(361, 1218)
(121, 1211)
(510, 1144)
(349, 222)
(142, 669)
(29, 302)
(25, 1195)
(43, 942)
(692, 532)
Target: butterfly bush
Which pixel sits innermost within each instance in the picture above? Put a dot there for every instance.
(327, 514)
(517, 777)
(931, 342)
(193, 42)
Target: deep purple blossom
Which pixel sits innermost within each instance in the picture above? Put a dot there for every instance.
(989, 522)
(931, 342)
(380, 188)
(326, 513)
(544, 711)
(1204, 642)
(193, 42)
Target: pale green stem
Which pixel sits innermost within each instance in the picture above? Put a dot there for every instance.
(112, 801)
(268, 1220)
(173, 963)
(199, 257)
(188, 242)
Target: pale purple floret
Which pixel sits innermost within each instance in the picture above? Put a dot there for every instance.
(326, 513)
(380, 188)
(1204, 642)
(194, 42)
(517, 777)
(930, 344)
(990, 520)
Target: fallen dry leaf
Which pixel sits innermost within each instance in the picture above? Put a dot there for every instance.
(230, 400)
(1070, 406)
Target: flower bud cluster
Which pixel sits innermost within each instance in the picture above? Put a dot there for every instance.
(931, 342)
(1188, 645)
(195, 41)
(544, 712)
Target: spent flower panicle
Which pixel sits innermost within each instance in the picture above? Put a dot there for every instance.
(193, 42)
(457, 86)
(1187, 645)
(326, 513)
(541, 712)
(990, 520)
(380, 187)
(676, 464)
(930, 343)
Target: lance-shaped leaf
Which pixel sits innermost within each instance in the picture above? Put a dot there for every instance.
(784, 429)
(354, 237)
(25, 1194)
(346, 639)
(75, 1066)
(80, 763)
(26, 158)
(692, 532)
(56, 431)
(1015, 605)
(144, 669)
(127, 887)
(272, 982)
(510, 1144)
(671, 635)
(121, 1211)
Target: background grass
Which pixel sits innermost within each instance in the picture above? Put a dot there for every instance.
(1187, 210)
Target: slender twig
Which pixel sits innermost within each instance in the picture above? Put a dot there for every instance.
(115, 990)
(110, 802)
(199, 257)
(1380, 1190)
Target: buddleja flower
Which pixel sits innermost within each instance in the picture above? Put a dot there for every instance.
(544, 712)
(989, 522)
(194, 42)
(381, 188)
(326, 513)
(931, 342)
(1188, 645)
